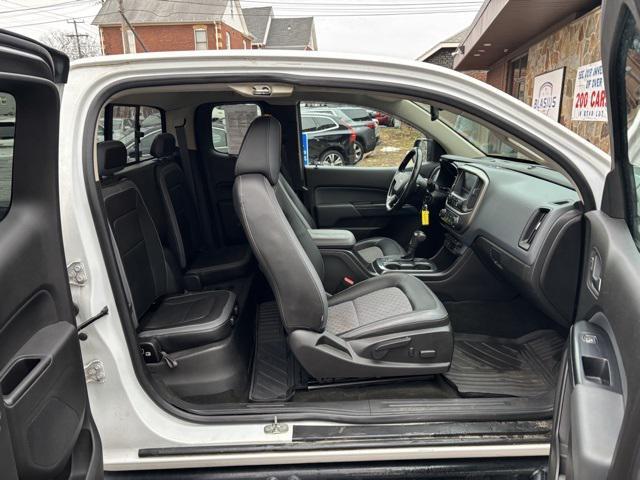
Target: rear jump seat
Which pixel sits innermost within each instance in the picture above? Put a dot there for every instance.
(168, 318)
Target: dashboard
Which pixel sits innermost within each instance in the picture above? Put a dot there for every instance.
(517, 220)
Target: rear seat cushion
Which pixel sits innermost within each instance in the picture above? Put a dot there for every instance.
(185, 321)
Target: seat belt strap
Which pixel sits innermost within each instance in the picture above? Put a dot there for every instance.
(185, 160)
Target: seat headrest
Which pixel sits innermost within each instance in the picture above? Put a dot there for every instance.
(164, 145)
(112, 156)
(260, 150)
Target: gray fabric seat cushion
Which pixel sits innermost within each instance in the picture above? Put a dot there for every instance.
(391, 303)
(373, 248)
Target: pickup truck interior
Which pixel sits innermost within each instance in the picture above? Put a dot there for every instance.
(440, 279)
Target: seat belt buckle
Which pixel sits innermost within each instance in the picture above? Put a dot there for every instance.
(348, 281)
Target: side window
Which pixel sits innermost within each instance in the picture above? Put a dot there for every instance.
(229, 124)
(7, 133)
(630, 63)
(308, 124)
(353, 135)
(136, 126)
(325, 123)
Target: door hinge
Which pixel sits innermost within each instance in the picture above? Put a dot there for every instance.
(94, 372)
(275, 427)
(77, 274)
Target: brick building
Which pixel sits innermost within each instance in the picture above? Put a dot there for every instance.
(551, 59)
(442, 54)
(269, 31)
(172, 25)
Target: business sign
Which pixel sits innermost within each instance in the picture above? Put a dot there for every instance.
(590, 97)
(547, 93)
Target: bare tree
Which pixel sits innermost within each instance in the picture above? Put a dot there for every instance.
(68, 43)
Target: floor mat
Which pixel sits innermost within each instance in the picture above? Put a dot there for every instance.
(273, 376)
(520, 367)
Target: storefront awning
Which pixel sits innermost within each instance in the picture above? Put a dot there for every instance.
(502, 26)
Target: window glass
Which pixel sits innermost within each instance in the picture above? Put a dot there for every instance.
(136, 127)
(229, 124)
(630, 61)
(7, 133)
(518, 77)
(353, 135)
(201, 39)
(492, 143)
(324, 123)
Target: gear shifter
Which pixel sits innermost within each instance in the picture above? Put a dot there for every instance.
(416, 239)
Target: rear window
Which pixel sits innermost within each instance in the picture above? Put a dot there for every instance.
(229, 124)
(7, 133)
(357, 114)
(136, 126)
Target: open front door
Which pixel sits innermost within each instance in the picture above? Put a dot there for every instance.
(597, 421)
(46, 430)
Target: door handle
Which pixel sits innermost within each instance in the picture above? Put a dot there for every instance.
(595, 272)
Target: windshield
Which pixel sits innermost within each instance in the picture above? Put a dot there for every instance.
(490, 142)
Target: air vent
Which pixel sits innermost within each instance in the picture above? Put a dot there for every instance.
(474, 195)
(532, 228)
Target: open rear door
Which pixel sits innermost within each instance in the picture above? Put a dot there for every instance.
(597, 423)
(46, 430)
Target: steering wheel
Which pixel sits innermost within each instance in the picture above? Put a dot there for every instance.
(404, 181)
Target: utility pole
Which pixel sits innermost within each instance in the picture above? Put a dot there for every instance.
(123, 26)
(126, 24)
(77, 35)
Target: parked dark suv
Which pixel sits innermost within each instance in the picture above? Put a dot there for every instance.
(367, 131)
(329, 141)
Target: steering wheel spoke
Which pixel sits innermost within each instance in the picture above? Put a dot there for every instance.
(404, 181)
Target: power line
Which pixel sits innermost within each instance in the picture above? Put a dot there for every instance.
(49, 6)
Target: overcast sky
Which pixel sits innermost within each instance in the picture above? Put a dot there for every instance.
(400, 28)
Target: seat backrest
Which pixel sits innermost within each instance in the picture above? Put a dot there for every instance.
(287, 255)
(133, 229)
(296, 205)
(184, 233)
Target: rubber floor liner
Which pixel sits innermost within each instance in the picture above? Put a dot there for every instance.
(273, 376)
(520, 367)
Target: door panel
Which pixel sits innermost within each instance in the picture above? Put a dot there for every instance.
(45, 411)
(597, 414)
(353, 198)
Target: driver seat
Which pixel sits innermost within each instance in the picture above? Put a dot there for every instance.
(369, 249)
(389, 325)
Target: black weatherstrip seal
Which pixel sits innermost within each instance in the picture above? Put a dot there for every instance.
(187, 411)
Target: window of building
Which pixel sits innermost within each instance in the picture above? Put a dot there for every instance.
(200, 35)
(131, 41)
(136, 126)
(7, 133)
(229, 124)
(517, 77)
(228, 40)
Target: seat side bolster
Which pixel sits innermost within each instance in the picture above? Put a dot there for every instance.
(399, 324)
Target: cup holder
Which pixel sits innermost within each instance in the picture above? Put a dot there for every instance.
(407, 266)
